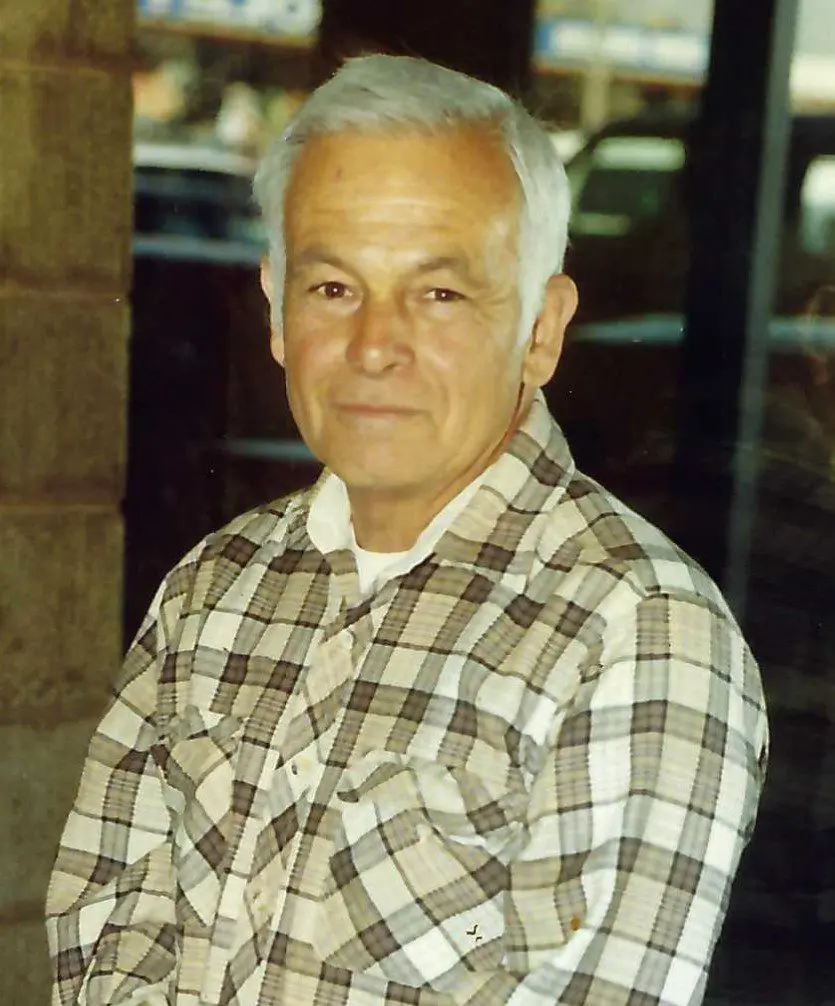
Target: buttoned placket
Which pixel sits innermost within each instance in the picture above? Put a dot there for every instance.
(230, 916)
(330, 669)
(332, 666)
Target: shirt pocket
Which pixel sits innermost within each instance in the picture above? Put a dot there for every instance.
(201, 749)
(417, 870)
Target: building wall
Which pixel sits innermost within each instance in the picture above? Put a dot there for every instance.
(65, 227)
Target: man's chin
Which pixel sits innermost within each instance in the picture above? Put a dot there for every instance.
(384, 483)
(385, 478)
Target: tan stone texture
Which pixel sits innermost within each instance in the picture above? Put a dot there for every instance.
(49, 29)
(65, 264)
(65, 183)
(38, 779)
(24, 974)
(60, 613)
(63, 371)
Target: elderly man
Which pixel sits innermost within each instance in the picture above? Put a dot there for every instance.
(454, 725)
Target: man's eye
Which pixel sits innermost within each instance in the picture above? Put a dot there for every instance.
(331, 290)
(443, 295)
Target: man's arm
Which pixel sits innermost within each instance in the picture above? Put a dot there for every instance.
(638, 820)
(110, 908)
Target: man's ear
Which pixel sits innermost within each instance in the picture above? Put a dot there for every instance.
(276, 331)
(545, 344)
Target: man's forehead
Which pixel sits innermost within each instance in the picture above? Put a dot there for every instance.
(351, 155)
(410, 197)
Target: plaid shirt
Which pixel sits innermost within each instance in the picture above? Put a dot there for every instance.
(521, 773)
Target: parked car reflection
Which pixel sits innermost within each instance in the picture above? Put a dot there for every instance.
(194, 204)
(630, 235)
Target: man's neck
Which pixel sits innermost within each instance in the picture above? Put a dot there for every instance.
(393, 521)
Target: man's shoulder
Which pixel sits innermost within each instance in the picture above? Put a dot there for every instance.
(255, 537)
(266, 524)
(610, 550)
(603, 534)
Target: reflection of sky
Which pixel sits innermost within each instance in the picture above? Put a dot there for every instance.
(816, 27)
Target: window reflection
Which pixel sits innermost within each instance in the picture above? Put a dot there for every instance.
(616, 393)
(782, 920)
(817, 207)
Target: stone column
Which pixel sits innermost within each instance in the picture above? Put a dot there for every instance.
(65, 229)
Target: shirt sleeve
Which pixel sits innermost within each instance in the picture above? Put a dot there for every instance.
(110, 915)
(638, 820)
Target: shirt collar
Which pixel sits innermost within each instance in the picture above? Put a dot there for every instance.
(329, 516)
(498, 532)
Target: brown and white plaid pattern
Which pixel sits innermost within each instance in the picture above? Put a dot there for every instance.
(521, 773)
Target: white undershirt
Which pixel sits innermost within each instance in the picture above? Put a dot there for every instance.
(373, 567)
(329, 526)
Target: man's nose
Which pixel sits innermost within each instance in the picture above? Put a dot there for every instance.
(380, 340)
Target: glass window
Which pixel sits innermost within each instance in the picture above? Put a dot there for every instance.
(817, 207)
(616, 393)
(621, 181)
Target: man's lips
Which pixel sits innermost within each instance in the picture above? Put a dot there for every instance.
(367, 409)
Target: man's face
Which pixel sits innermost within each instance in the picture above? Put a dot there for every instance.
(401, 313)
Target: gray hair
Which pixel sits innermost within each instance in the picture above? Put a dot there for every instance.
(397, 93)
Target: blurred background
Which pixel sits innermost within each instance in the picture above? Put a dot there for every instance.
(141, 408)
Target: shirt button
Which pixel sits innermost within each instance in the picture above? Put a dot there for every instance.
(294, 768)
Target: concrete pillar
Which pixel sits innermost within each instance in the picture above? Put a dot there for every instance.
(65, 227)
